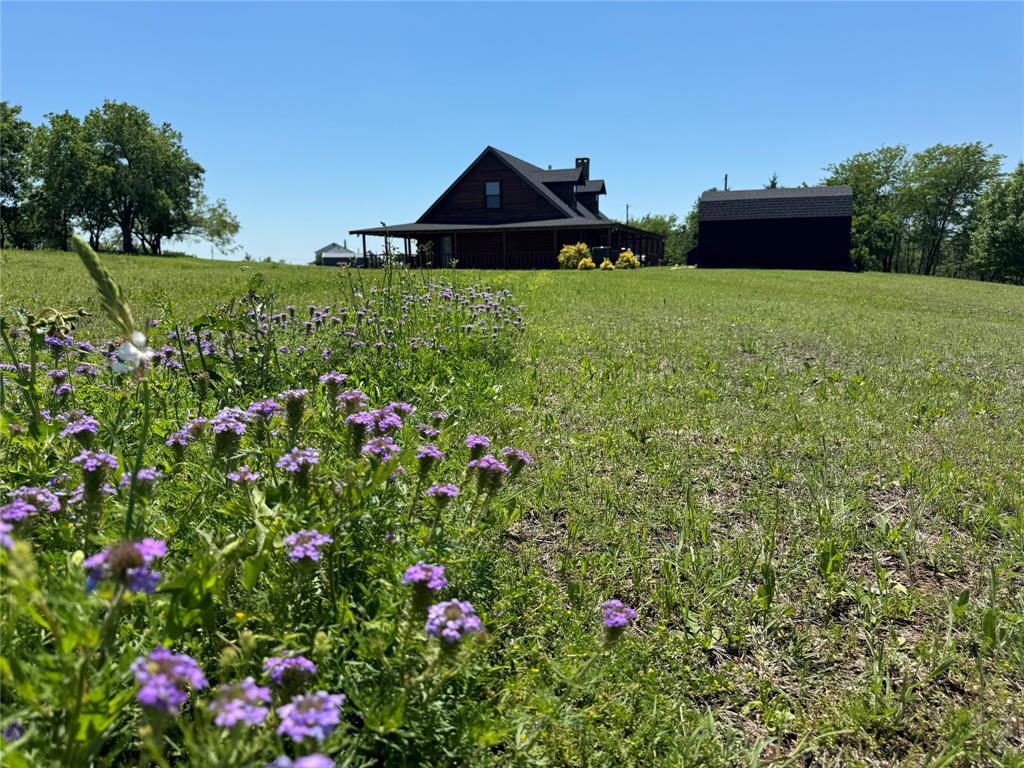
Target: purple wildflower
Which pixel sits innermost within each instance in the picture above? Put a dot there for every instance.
(264, 409)
(381, 448)
(316, 760)
(351, 400)
(442, 493)
(617, 618)
(428, 432)
(228, 428)
(298, 460)
(477, 444)
(17, 509)
(489, 473)
(241, 702)
(243, 475)
(94, 466)
(310, 715)
(289, 671)
(430, 576)
(126, 563)
(452, 620)
(164, 679)
(294, 405)
(14, 731)
(360, 423)
(428, 456)
(5, 535)
(40, 498)
(83, 429)
(517, 460)
(145, 479)
(332, 383)
(438, 417)
(306, 544)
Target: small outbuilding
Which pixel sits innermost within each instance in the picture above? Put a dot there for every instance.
(781, 228)
(334, 255)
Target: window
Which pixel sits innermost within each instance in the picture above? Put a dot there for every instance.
(493, 192)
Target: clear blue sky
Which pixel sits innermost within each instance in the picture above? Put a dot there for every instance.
(313, 119)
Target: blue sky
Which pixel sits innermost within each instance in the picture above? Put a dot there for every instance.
(313, 119)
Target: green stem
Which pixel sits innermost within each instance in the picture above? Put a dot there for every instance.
(139, 455)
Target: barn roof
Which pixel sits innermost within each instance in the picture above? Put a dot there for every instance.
(781, 203)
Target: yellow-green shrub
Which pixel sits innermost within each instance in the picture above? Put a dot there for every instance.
(607, 264)
(627, 260)
(570, 255)
(585, 263)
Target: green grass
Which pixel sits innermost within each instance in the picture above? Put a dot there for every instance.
(809, 485)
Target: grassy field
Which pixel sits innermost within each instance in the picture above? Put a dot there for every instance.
(809, 485)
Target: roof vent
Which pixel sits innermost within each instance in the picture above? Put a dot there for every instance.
(584, 164)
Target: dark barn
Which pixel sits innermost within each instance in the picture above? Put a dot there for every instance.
(801, 228)
(504, 212)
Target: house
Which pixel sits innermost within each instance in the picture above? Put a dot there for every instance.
(503, 212)
(782, 228)
(334, 255)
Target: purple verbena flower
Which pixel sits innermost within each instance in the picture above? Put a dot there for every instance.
(351, 400)
(442, 493)
(93, 462)
(452, 620)
(306, 544)
(490, 472)
(294, 405)
(127, 563)
(264, 409)
(83, 429)
(477, 444)
(617, 618)
(164, 679)
(145, 479)
(240, 703)
(315, 760)
(40, 498)
(381, 448)
(428, 455)
(289, 671)
(517, 460)
(298, 460)
(310, 715)
(243, 475)
(5, 535)
(17, 509)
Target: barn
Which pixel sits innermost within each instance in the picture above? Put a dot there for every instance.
(334, 255)
(781, 228)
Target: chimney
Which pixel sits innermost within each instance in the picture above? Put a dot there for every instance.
(584, 163)
(344, 244)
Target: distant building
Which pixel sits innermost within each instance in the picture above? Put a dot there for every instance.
(334, 255)
(799, 228)
(505, 212)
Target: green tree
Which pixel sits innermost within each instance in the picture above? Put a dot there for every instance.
(214, 223)
(997, 244)
(773, 182)
(679, 236)
(878, 180)
(58, 158)
(15, 136)
(944, 183)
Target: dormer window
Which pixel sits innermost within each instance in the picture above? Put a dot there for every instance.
(492, 190)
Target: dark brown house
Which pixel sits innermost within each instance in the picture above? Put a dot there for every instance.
(504, 212)
(800, 228)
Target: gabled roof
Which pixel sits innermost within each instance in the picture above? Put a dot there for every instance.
(779, 203)
(560, 175)
(332, 246)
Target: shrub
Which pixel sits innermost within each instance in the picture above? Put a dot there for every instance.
(627, 260)
(607, 264)
(571, 255)
(585, 263)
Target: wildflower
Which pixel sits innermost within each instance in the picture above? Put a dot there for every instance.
(94, 467)
(442, 493)
(489, 473)
(381, 448)
(306, 544)
(264, 409)
(126, 563)
(14, 731)
(289, 671)
(438, 417)
(517, 460)
(351, 400)
(332, 382)
(298, 462)
(241, 702)
(428, 432)
(40, 498)
(316, 760)
(17, 509)
(386, 420)
(228, 428)
(145, 479)
(452, 620)
(477, 444)
(243, 475)
(83, 429)
(294, 405)
(617, 618)
(310, 715)
(428, 456)
(5, 535)
(164, 679)
(133, 354)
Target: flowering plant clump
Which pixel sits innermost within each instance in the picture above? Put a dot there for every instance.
(242, 703)
(315, 760)
(477, 444)
(626, 260)
(490, 473)
(128, 564)
(310, 715)
(517, 460)
(306, 545)
(570, 255)
(83, 429)
(289, 671)
(618, 617)
(442, 493)
(585, 263)
(452, 621)
(165, 678)
(606, 264)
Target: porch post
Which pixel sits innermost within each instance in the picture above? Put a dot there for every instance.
(504, 249)
(366, 256)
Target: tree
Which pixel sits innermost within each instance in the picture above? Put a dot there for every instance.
(58, 158)
(997, 243)
(15, 135)
(773, 182)
(944, 182)
(878, 180)
(214, 223)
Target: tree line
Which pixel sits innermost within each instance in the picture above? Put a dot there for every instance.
(946, 210)
(116, 175)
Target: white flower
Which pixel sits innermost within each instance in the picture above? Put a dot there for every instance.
(133, 354)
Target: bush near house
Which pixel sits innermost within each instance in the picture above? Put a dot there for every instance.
(571, 255)
(627, 260)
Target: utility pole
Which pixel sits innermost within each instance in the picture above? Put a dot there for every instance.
(627, 213)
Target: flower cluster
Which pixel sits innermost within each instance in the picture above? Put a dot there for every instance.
(240, 703)
(452, 620)
(289, 671)
(164, 679)
(127, 563)
(306, 545)
(490, 473)
(310, 715)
